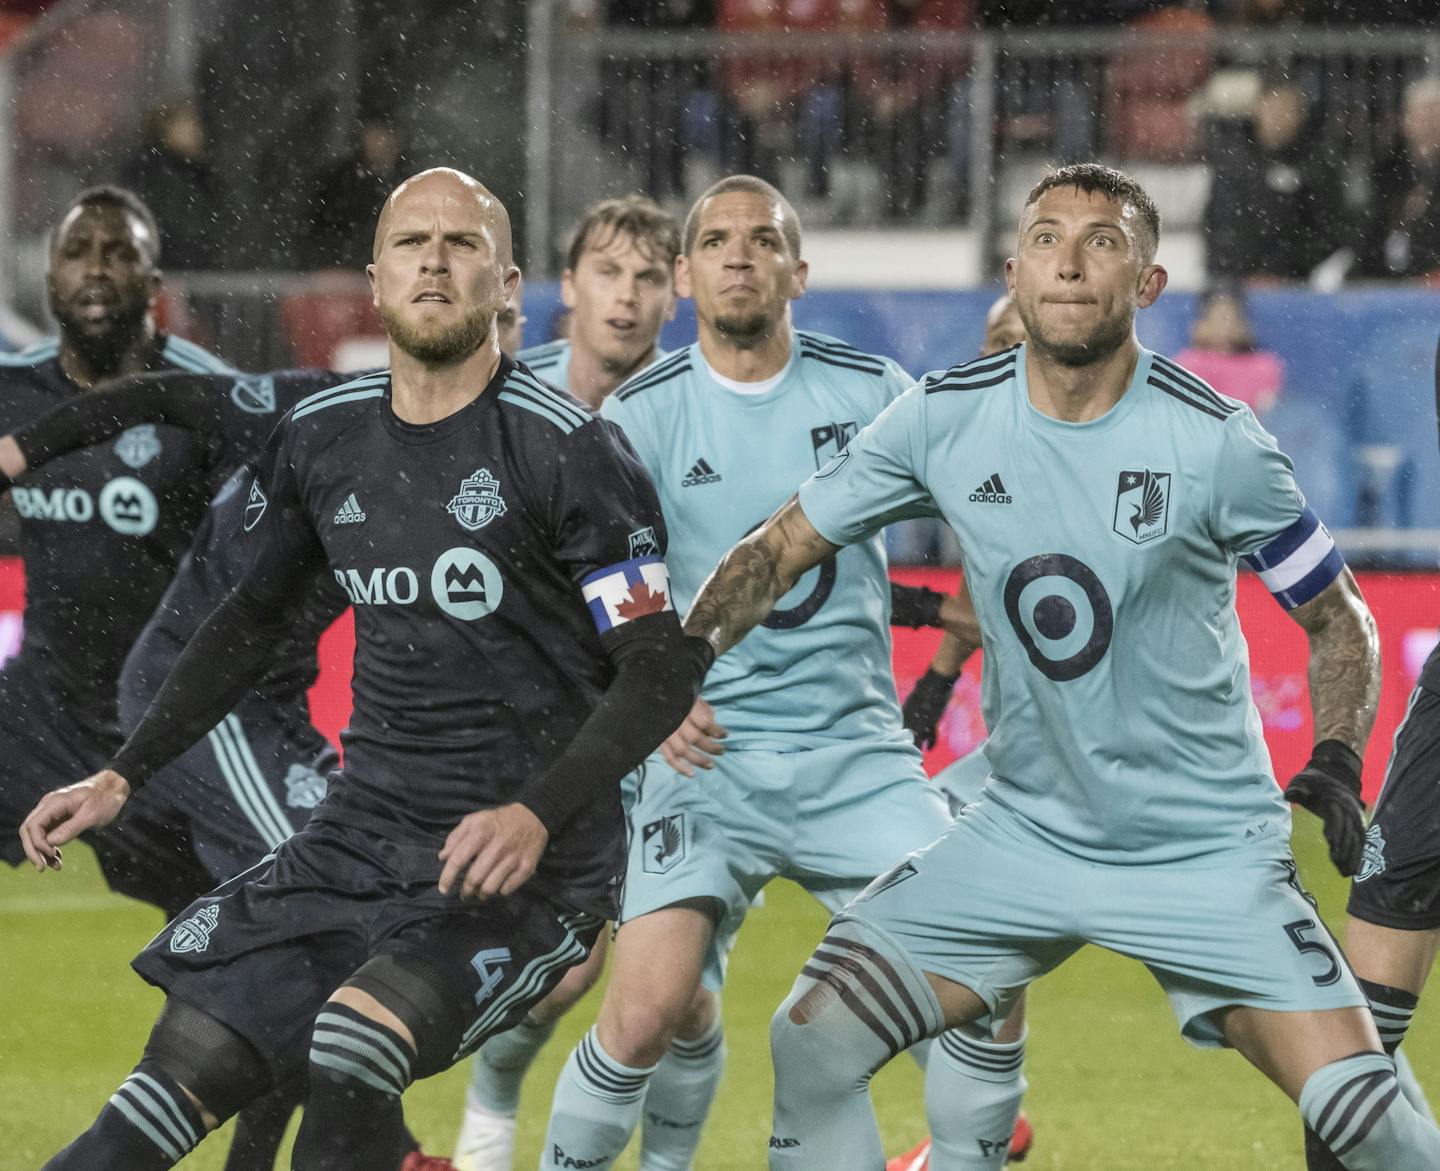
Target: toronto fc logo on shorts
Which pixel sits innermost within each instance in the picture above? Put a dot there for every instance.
(303, 787)
(1142, 505)
(138, 446)
(1373, 861)
(193, 934)
(478, 502)
(662, 843)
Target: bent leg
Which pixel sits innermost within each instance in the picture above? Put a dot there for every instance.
(1331, 1063)
(194, 1074)
(683, 1087)
(654, 979)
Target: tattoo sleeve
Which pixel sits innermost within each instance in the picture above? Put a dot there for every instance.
(755, 575)
(1344, 662)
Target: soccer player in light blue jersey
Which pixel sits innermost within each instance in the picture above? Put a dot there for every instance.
(619, 288)
(1132, 803)
(818, 780)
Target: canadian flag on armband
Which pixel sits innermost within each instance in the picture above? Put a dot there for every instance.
(632, 589)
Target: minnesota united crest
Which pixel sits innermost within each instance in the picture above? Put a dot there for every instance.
(1142, 506)
(138, 446)
(478, 502)
(1372, 862)
(193, 934)
(663, 843)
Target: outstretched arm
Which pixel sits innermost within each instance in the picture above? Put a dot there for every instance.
(754, 576)
(1344, 693)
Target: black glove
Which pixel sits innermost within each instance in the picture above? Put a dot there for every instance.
(925, 705)
(1329, 786)
(914, 605)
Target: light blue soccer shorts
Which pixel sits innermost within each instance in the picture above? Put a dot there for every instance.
(993, 906)
(962, 781)
(829, 818)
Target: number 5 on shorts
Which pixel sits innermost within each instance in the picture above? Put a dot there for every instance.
(1296, 932)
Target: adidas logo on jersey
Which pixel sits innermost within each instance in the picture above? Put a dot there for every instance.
(350, 513)
(701, 473)
(992, 491)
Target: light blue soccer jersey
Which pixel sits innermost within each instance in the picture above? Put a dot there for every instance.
(550, 362)
(1102, 558)
(818, 671)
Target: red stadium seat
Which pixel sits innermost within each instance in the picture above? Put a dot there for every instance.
(1147, 115)
(319, 319)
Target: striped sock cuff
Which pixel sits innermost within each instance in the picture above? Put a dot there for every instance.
(873, 987)
(702, 1047)
(356, 1048)
(158, 1108)
(604, 1077)
(1392, 1009)
(1342, 1101)
(991, 1061)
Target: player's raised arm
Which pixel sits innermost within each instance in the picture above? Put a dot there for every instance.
(1344, 694)
(227, 657)
(755, 575)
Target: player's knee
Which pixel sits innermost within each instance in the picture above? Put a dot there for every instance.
(218, 1069)
(425, 1000)
(637, 1032)
(352, 1049)
(700, 1015)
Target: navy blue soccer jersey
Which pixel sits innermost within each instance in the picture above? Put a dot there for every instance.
(486, 555)
(101, 529)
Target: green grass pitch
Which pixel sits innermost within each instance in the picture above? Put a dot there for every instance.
(1112, 1086)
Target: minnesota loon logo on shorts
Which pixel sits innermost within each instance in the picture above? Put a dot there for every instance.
(1373, 861)
(193, 934)
(478, 502)
(662, 843)
(138, 446)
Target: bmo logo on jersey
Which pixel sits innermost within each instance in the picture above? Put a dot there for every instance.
(464, 583)
(126, 505)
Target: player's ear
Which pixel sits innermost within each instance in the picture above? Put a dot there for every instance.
(683, 287)
(1153, 279)
(1010, 275)
(797, 281)
(567, 288)
(374, 288)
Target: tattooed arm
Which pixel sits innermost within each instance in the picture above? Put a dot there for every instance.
(754, 575)
(1344, 691)
(1344, 662)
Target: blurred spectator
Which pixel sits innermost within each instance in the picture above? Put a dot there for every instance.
(1404, 236)
(171, 175)
(346, 197)
(647, 101)
(1224, 353)
(907, 101)
(770, 100)
(1277, 205)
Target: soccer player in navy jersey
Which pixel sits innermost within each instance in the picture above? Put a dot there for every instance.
(516, 656)
(100, 532)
